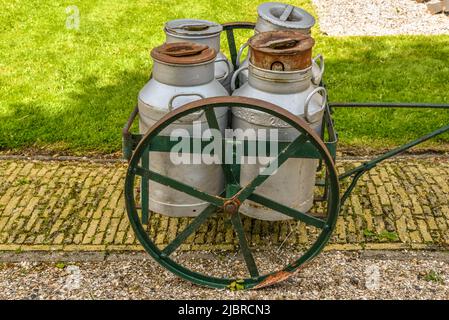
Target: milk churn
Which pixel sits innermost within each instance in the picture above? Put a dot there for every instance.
(182, 72)
(280, 72)
(203, 32)
(273, 16)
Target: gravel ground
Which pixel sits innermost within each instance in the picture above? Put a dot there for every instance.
(332, 275)
(378, 17)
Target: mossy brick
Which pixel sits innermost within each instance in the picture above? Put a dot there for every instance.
(442, 184)
(200, 238)
(3, 237)
(359, 227)
(356, 206)
(415, 236)
(383, 196)
(416, 206)
(9, 195)
(423, 229)
(350, 229)
(25, 170)
(212, 231)
(3, 221)
(98, 238)
(114, 198)
(11, 207)
(371, 188)
(111, 230)
(59, 238)
(119, 236)
(398, 210)
(10, 168)
(441, 222)
(163, 223)
(13, 176)
(431, 222)
(124, 224)
(229, 235)
(445, 210)
(90, 232)
(130, 237)
(302, 233)
(379, 224)
(376, 180)
(375, 204)
(30, 223)
(401, 228)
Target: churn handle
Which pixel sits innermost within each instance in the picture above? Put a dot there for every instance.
(234, 76)
(170, 103)
(317, 80)
(239, 54)
(309, 98)
(228, 65)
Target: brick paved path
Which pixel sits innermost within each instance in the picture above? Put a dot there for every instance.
(80, 206)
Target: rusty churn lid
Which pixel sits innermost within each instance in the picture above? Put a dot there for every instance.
(183, 53)
(281, 50)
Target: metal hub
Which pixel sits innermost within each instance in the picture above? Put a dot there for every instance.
(231, 206)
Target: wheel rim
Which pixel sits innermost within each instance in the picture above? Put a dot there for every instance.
(255, 280)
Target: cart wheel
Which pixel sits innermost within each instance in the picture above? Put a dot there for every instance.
(226, 206)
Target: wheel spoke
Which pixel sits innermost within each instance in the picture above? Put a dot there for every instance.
(180, 238)
(283, 156)
(247, 255)
(180, 186)
(213, 124)
(144, 189)
(298, 215)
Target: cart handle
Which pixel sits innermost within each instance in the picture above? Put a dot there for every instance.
(128, 124)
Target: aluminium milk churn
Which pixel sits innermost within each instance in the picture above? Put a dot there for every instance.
(203, 32)
(280, 72)
(182, 72)
(273, 16)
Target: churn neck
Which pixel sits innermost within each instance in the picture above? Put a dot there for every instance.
(281, 16)
(279, 82)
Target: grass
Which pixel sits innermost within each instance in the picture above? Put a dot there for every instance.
(73, 90)
(433, 276)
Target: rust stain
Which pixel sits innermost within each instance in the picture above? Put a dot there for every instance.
(281, 50)
(274, 278)
(183, 53)
(281, 276)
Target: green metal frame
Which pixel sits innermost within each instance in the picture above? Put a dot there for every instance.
(311, 143)
(357, 172)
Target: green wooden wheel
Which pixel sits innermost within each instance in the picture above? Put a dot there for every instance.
(308, 144)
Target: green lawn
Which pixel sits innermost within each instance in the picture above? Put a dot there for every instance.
(73, 90)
